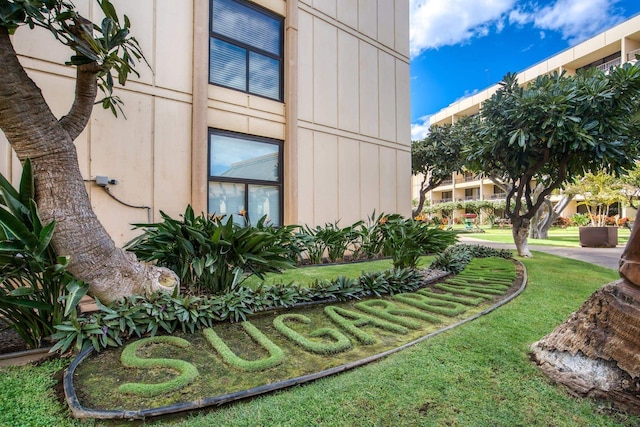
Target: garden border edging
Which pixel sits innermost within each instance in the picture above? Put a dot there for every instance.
(79, 411)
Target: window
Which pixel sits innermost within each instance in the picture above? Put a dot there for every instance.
(245, 48)
(245, 176)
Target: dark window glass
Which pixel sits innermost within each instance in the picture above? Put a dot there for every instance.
(230, 63)
(246, 25)
(246, 48)
(264, 75)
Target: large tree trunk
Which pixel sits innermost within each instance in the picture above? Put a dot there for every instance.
(35, 133)
(546, 216)
(596, 351)
(520, 233)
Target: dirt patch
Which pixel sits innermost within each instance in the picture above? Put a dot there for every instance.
(10, 341)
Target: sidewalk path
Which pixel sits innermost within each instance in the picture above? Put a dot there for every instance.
(606, 257)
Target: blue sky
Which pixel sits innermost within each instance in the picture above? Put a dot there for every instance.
(459, 47)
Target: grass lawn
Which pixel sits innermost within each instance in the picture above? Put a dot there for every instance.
(476, 375)
(307, 275)
(557, 236)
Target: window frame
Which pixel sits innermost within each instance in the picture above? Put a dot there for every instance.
(250, 49)
(279, 184)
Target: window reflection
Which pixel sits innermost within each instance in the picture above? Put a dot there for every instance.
(237, 158)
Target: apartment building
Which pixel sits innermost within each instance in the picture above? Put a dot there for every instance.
(296, 109)
(617, 45)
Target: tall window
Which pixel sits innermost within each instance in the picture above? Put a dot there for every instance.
(245, 48)
(245, 177)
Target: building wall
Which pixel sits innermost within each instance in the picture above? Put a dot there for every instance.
(353, 134)
(345, 121)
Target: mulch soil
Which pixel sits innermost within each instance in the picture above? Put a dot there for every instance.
(10, 341)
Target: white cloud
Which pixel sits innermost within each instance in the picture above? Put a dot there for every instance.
(420, 129)
(576, 20)
(437, 23)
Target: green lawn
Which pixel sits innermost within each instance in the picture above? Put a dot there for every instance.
(557, 236)
(307, 275)
(476, 375)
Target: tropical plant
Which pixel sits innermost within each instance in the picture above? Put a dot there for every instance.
(599, 191)
(580, 219)
(329, 239)
(456, 257)
(369, 245)
(36, 291)
(138, 316)
(209, 254)
(285, 236)
(405, 240)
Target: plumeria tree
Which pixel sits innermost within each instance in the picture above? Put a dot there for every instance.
(101, 54)
(537, 138)
(599, 191)
(437, 156)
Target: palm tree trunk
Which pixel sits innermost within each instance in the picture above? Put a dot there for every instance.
(595, 351)
(34, 132)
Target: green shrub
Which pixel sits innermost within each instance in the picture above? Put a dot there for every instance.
(329, 239)
(276, 355)
(352, 322)
(339, 342)
(210, 255)
(285, 237)
(581, 220)
(370, 243)
(406, 240)
(35, 287)
(187, 372)
(388, 311)
(455, 258)
(140, 316)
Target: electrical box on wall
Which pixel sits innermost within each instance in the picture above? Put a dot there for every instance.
(103, 181)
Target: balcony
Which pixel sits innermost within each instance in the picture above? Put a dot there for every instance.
(446, 182)
(609, 64)
(631, 56)
(445, 200)
(468, 178)
(496, 196)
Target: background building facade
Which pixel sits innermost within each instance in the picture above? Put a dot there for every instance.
(294, 109)
(610, 48)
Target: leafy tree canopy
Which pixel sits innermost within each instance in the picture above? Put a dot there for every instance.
(438, 155)
(556, 128)
(108, 46)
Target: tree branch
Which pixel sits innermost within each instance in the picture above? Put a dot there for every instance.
(86, 90)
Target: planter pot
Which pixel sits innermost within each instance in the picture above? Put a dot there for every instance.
(598, 237)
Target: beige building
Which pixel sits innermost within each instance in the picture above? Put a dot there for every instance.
(608, 49)
(294, 109)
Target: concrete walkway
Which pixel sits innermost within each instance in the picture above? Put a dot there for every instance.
(606, 257)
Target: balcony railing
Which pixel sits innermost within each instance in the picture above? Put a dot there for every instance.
(631, 56)
(496, 196)
(445, 200)
(468, 178)
(609, 64)
(447, 182)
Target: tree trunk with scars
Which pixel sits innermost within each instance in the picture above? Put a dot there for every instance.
(34, 132)
(520, 231)
(595, 352)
